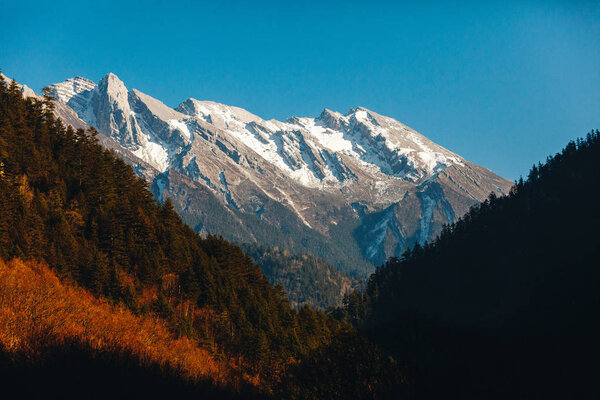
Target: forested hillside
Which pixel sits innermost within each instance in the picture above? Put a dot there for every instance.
(504, 303)
(68, 203)
(49, 329)
(83, 211)
(306, 279)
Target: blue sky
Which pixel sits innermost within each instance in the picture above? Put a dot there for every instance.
(503, 84)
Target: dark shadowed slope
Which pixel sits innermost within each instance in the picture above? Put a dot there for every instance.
(504, 304)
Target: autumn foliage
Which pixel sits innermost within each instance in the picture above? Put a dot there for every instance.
(38, 311)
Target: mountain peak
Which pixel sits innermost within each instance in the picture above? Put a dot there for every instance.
(113, 87)
(111, 80)
(330, 119)
(112, 76)
(360, 113)
(327, 113)
(66, 90)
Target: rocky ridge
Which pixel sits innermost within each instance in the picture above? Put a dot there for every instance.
(351, 188)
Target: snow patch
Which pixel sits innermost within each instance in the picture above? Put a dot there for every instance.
(181, 127)
(328, 138)
(154, 154)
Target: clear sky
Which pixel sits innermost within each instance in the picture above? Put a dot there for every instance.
(503, 84)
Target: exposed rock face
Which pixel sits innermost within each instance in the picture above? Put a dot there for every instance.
(352, 188)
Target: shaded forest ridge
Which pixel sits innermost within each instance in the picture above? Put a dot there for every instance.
(504, 302)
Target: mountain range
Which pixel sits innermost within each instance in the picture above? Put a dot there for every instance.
(108, 286)
(353, 189)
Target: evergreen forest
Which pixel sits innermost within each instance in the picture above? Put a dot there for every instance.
(504, 303)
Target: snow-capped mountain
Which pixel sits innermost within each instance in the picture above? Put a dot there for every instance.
(354, 188)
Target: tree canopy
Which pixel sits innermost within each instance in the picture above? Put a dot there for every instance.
(504, 299)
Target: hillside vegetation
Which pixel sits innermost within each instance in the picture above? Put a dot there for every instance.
(504, 303)
(40, 315)
(306, 279)
(68, 203)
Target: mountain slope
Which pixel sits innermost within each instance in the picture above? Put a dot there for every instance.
(44, 321)
(306, 279)
(317, 185)
(68, 203)
(328, 288)
(504, 304)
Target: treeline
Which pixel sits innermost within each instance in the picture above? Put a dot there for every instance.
(306, 279)
(68, 203)
(504, 303)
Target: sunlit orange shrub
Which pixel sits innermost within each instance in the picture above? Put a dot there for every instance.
(37, 310)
